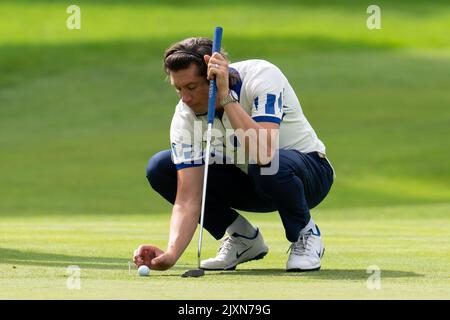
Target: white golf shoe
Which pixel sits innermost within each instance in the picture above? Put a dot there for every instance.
(306, 252)
(236, 249)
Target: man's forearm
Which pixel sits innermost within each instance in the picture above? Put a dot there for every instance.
(183, 223)
(239, 118)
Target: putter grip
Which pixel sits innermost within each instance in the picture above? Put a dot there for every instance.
(212, 83)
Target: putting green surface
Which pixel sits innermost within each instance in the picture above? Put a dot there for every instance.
(408, 245)
(81, 111)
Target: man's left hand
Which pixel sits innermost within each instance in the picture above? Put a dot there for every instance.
(218, 69)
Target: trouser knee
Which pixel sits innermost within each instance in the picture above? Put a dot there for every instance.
(266, 184)
(160, 169)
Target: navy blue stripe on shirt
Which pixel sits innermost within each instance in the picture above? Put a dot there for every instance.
(267, 119)
(270, 103)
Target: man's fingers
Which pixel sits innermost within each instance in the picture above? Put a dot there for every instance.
(142, 249)
(216, 64)
(211, 74)
(216, 67)
(136, 258)
(142, 255)
(145, 253)
(217, 56)
(145, 250)
(158, 251)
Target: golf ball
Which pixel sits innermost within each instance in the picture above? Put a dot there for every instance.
(143, 271)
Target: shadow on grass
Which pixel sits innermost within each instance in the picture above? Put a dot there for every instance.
(326, 274)
(33, 258)
(18, 257)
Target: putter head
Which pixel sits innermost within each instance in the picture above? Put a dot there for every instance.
(194, 273)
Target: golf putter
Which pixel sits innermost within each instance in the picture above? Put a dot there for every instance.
(211, 111)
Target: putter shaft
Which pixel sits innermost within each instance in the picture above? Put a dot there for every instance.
(205, 180)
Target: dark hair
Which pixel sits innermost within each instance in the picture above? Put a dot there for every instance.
(182, 54)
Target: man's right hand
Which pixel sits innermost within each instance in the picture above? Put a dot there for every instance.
(145, 253)
(153, 257)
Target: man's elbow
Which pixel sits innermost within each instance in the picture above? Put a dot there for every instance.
(189, 204)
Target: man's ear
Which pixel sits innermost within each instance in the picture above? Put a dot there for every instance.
(206, 58)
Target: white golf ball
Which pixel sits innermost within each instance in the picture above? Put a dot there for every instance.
(143, 271)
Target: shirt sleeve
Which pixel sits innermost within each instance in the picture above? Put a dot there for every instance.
(265, 87)
(186, 143)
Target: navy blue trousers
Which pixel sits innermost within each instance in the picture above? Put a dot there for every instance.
(301, 183)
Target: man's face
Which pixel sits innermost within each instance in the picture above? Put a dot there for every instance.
(192, 88)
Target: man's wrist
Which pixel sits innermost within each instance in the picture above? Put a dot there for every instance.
(230, 98)
(229, 105)
(222, 95)
(173, 253)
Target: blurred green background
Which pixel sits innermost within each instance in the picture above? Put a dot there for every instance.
(82, 111)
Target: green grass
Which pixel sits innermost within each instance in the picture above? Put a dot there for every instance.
(82, 111)
(410, 245)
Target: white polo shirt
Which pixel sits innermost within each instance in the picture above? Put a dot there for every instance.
(266, 95)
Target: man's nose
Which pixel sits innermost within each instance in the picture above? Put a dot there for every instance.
(186, 97)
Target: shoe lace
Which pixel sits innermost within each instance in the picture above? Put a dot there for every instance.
(303, 246)
(227, 244)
